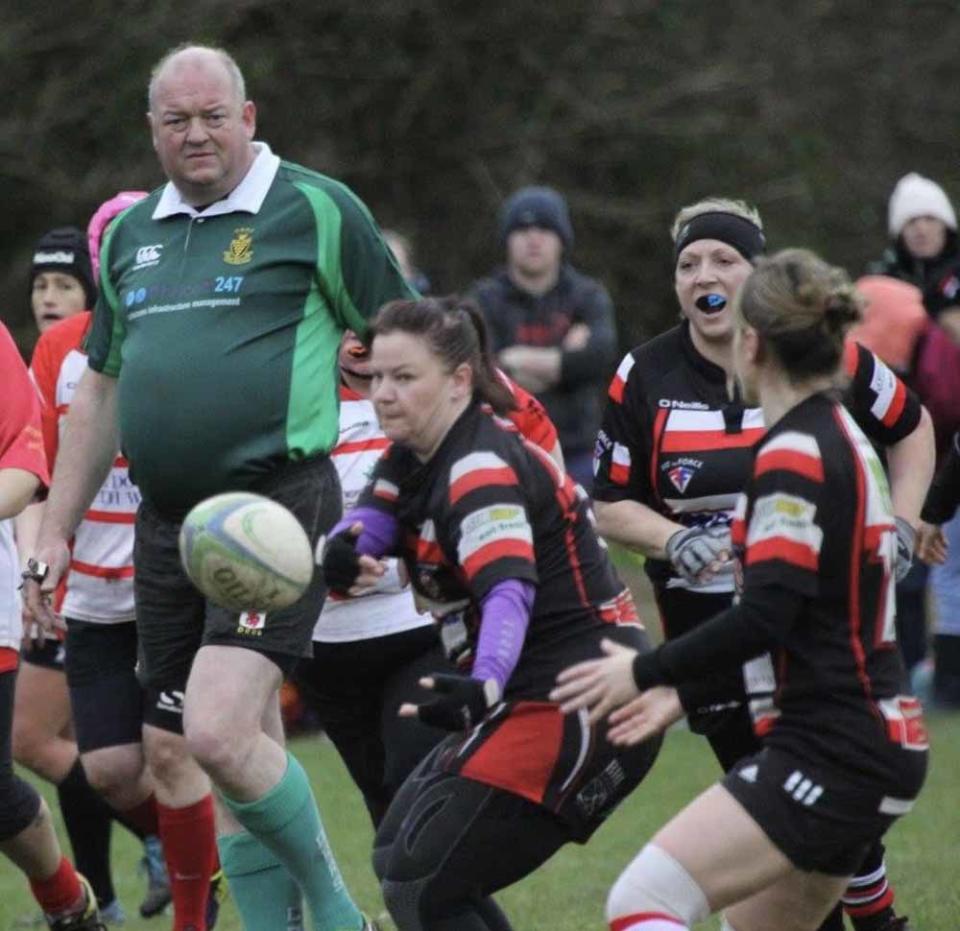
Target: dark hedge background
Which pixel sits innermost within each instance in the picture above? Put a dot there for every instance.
(433, 111)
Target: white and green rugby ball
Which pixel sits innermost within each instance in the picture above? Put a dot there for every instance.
(246, 552)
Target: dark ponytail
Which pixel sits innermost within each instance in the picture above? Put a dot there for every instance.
(455, 332)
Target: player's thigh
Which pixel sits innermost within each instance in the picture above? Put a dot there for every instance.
(41, 709)
(722, 848)
(228, 691)
(170, 610)
(451, 839)
(798, 902)
(105, 695)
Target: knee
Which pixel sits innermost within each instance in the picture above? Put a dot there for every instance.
(167, 757)
(656, 882)
(403, 902)
(220, 749)
(19, 805)
(113, 770)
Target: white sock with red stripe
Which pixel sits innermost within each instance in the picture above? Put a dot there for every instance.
(655, 893)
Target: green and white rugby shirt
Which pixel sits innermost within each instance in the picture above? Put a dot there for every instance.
(223, 325)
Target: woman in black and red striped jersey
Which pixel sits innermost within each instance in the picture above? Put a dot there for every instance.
(674, 452)
(499, 545)
(776, 842)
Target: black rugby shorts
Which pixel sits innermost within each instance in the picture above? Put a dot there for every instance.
(174, 619)
(105, 696)
(821, 818)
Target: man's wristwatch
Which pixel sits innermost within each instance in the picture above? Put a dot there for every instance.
(36, 571)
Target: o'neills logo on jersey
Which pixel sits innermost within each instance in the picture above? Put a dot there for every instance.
(671, 404)
(148, 256)
(240, 250)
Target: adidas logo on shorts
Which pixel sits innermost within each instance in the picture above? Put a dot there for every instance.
(802, 789)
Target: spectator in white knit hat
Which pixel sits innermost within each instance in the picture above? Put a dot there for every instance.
(923, 249)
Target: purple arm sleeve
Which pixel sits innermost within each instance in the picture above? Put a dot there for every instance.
(505, 615)
(380, 531)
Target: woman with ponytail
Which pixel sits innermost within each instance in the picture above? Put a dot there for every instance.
(499, 546)
(776, 842)
(673, 454)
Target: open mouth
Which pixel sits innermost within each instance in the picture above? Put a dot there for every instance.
(710, 303)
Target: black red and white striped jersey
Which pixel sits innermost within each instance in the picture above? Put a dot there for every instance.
(673, 438)
(490, 506)
(816, 521)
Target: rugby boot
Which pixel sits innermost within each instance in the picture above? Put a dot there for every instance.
(87, 919)
(158, 895)
(218, 892)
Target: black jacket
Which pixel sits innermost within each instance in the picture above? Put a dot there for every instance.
(516, 317)
(938, 278)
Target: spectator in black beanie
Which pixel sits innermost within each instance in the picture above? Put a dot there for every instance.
(61, 277)
(551, 326)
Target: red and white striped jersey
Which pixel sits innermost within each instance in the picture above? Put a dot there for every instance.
(99, 585)
(21, 447)
(389, 609)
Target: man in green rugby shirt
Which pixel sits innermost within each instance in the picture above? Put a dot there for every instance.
(213, 354)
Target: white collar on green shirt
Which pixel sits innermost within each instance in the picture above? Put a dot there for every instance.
(247, 196)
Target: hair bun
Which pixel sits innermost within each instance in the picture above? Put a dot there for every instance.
(842, 307)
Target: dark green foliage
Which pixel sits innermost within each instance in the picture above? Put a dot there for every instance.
(433, 111)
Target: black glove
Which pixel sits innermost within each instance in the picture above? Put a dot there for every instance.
(463, 702)
(341, 563)
(696, 548)
(906, 541)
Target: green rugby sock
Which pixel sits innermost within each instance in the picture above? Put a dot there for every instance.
(265, 893)
(286, 821)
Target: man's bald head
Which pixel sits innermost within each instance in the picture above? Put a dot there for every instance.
(202, 127)
(195, 56)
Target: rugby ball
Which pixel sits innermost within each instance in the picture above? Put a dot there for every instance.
(246, 552)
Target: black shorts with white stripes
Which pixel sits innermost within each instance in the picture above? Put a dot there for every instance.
(821, 818)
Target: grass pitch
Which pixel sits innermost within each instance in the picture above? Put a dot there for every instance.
(568, 893)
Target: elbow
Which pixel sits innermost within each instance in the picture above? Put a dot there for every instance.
(18, 490)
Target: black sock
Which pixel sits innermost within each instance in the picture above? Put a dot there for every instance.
(86, 816)
(121, 818)
(869, 897)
